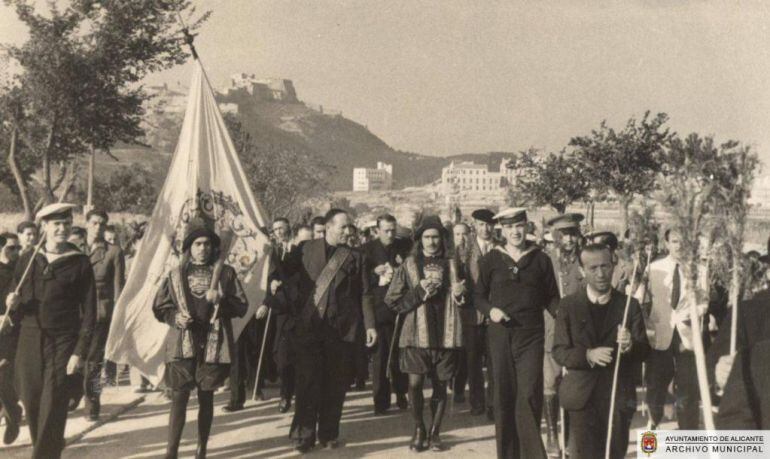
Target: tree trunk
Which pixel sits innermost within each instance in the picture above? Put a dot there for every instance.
(625, 203)
(47, 187)
(20, 183)
(91, 166)
(697, 342)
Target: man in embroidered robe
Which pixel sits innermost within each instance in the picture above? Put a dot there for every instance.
(199, 346)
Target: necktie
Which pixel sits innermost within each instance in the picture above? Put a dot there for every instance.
(676, 286)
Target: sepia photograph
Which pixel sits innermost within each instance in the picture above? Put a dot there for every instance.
(356, 228)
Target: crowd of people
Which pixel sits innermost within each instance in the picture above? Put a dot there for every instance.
(529, 327)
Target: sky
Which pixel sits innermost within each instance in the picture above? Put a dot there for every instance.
(446, 77)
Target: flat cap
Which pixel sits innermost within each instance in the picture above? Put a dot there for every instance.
(484, 215)
(57, 210)
(571, 220)
(607, 238)
(511, 215)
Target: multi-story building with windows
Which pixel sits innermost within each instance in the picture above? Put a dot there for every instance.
(366, 179)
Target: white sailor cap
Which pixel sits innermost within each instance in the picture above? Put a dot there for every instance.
(57, 210)
(511, 215)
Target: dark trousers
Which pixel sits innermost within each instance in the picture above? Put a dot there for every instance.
(9, 399)
(679, 365)
(472, 365)
(243, 369)
(41, 376)
(323, 372)
(517, 371)
(92, 370)
(381, 386)
(588, 427)
(361, 362)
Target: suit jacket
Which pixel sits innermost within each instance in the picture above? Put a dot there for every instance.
(469, 315)
(109, 267)
(575, 335)
(350, 309)
(376, 254)
(659, 321)
(745, 403)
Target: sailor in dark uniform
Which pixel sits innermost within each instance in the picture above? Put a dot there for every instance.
(56, 309)
(516, 284)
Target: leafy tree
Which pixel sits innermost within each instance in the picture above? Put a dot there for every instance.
(283, 179)
(131, 189)
(556, 180)
(78, 89)
(625, 162)
(691, 177)
(734, 179)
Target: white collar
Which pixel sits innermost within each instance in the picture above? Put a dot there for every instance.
(597, 298)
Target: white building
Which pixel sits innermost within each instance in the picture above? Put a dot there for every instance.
(381, 178)
(471, 178)
(760, 192)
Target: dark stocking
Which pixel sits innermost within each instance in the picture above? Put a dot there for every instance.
(205, 416)
(176, 421)
(438, 401)
(416, 398)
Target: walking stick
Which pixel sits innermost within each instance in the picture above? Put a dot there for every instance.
(261, 354)
(617, 358)
(392, 350)
(17, 290)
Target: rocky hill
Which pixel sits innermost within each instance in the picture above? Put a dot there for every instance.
(330, 137)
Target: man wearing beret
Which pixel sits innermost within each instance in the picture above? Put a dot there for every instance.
(516, 284)
(329, 302)
(109, 268)
(474, 327)
(564, 257)
(56, 308)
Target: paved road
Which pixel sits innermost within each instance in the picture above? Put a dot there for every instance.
(259, 431)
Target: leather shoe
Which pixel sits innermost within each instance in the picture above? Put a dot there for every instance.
(284, 405)
(401, 401)
(232, 408)
(418, 439)
(331, 444)
(477, 411)
(304, 446)
(11, 425)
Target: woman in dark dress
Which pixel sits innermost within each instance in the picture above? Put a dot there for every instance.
(427, 291)
(198, 350)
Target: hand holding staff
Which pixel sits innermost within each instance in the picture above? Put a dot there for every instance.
(625, 342)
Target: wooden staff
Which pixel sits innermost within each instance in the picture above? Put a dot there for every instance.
(17, 290)
(261, 354)
(224, 247)
(392, 350)
(562, 416)
(617, 358)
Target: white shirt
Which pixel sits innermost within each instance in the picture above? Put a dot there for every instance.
(484, 245)
(596, 297)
